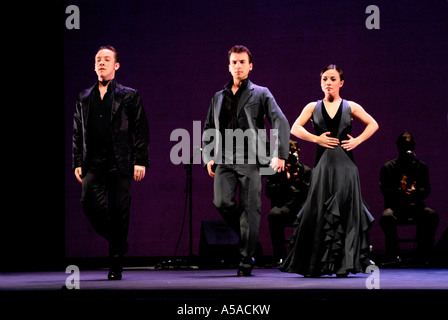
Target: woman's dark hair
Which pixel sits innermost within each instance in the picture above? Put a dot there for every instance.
(335, 67)
(240, 49)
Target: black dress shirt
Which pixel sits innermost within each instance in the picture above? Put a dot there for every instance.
(99, 123)
(228, 119)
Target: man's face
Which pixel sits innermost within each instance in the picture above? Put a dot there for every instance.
(406, 147)
(239, 65)
(105, 65)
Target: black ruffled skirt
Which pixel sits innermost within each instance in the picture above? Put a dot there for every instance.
(331, 230)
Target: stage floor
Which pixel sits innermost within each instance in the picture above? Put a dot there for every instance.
(141, 278)
(180, 291)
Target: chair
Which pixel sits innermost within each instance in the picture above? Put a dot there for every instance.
(405, 237)
(408, 222)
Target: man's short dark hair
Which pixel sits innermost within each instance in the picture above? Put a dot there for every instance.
(240, 49)
(111, 48)
(406, 141)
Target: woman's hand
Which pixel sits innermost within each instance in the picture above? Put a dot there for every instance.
(350, 144)
(325, 141)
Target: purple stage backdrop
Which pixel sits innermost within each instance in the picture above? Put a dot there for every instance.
(175, 54)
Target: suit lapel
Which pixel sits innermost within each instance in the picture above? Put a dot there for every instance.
(217, 110)
(118, 98)
(86, 103)
(245, 96)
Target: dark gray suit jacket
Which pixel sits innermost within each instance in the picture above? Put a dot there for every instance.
(255, 105)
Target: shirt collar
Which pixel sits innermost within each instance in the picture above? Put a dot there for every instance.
(228, 86)
(110, 87)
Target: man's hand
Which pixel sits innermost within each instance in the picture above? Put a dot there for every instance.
(139, 172)
(78, 174)
(209, 168)
(411, 189)
(278, 164)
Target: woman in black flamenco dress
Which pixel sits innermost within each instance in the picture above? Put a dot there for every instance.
(331, 230)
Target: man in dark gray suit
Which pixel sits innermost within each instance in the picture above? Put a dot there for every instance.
(236, 150)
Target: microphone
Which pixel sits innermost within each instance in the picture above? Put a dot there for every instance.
(410, 154)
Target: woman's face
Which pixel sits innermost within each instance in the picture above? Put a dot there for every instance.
(331, 82)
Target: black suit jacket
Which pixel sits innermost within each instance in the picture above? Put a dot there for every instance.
(255, 105)
(395, 172)
(129, 128)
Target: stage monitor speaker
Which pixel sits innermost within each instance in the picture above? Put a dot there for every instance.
(218, 245)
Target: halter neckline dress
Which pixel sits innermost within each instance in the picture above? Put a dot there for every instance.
(331, 229)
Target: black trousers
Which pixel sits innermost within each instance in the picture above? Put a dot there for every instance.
(426, 221)
(244, 216)
(106, 199)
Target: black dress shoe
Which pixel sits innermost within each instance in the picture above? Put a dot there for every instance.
(312, 275)
(114, 275)
(342, 275)
(116, 267)
(244, 271)
(246, 266)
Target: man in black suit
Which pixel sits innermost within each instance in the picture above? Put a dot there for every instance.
(404, 183)
(235, 147)
(110, 147)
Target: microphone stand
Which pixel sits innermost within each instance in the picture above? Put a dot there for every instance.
(188, 197)
(189, 193)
